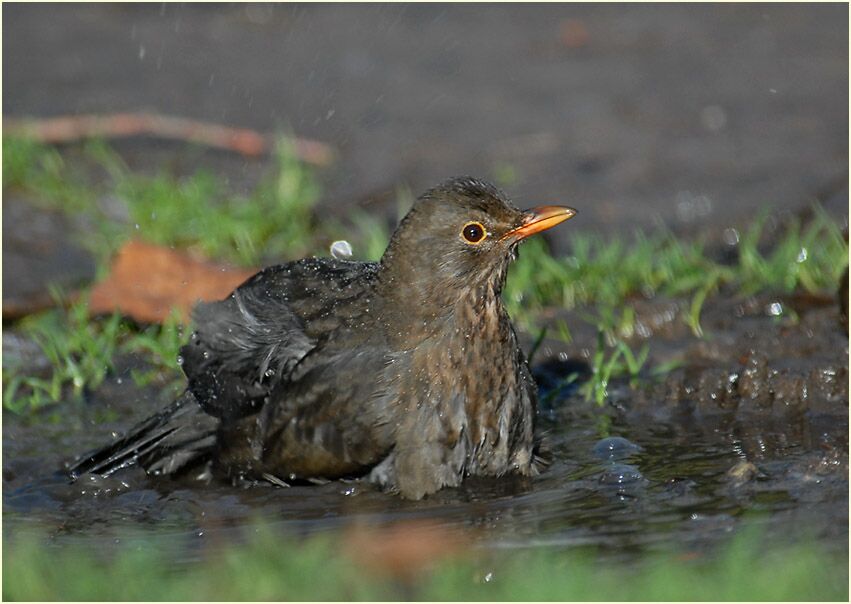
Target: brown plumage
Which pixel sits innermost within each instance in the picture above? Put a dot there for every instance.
(406, 372)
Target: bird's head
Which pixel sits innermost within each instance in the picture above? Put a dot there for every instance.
(461, 235)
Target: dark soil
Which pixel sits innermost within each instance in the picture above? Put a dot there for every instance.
(39, 249)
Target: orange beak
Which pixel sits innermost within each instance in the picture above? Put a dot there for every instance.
(540, 219)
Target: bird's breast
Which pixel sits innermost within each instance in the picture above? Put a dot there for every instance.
(463, 386)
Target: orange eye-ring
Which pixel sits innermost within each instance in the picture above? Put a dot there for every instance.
(473, 232)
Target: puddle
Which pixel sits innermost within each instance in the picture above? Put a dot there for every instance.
(622, 479)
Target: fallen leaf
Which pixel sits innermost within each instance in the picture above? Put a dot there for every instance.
(404, 550)
(573, 33)
(147, 281)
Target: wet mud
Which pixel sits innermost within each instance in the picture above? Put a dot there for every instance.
(764, 354)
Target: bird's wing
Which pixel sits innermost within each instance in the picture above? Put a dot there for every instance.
(174, 438)
(246, 344)
(332, 419)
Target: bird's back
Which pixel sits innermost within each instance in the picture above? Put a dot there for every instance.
(246, 345)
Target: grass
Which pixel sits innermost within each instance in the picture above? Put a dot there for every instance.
(160, 345)
(276, 222)
(607, 273)
(272, 567)
(81, 352)
(621, 361)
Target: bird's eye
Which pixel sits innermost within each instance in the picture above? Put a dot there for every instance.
(473, 232)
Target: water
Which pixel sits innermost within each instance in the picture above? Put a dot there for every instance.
(623, 480)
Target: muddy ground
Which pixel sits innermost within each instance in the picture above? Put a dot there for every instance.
(694, 116)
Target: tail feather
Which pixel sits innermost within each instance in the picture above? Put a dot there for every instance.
(172, 439)
(542, 452)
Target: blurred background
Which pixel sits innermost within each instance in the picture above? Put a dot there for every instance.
(693, 115)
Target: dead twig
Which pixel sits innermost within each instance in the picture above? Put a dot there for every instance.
(70, 128)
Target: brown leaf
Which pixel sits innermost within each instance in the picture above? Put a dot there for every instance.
(403, 550)
(147, 281)
(573, 33)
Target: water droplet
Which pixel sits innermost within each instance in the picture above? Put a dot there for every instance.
(731, 236)
(180, 359)
(269, 372)
(802, 255)
(615, 447)
(775, 309)
(618, 473)
(488, 577)
(692, 206)
(342, 249)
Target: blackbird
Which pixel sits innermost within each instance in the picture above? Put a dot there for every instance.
(405, 372)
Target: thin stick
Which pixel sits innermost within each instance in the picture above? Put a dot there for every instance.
(69, 128)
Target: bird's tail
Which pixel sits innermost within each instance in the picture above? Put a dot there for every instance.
(176, 437)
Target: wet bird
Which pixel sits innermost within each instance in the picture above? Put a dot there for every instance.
(405, 372)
